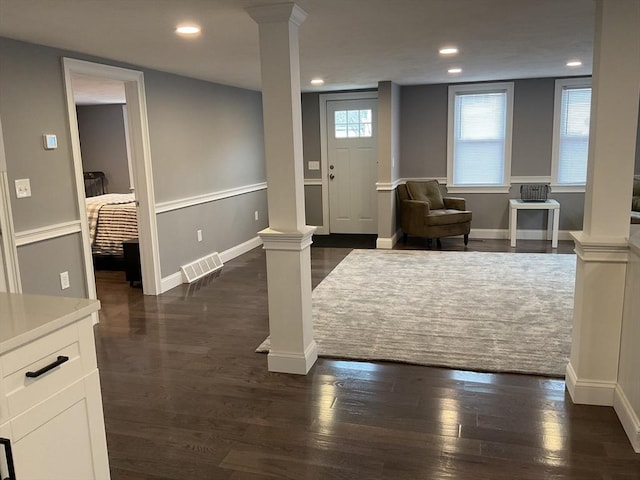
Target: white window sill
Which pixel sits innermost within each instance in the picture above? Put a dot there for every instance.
(568, 188)
(479, 189)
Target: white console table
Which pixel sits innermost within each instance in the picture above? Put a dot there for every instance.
(553, 218)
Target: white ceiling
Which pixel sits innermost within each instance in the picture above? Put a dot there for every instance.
(349, 43)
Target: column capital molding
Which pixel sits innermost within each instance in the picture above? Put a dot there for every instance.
(601, 249)
(277, 13)
(292, 241)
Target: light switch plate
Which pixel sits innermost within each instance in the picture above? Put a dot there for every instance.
(50, 141)
(23, 188)
(64, 280)
(314, 165)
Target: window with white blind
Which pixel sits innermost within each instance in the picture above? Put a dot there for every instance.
(572, 114)
(479, 137)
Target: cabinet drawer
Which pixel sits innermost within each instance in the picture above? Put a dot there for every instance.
(23, 392)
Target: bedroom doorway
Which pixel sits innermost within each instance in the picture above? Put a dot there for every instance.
(136, 182)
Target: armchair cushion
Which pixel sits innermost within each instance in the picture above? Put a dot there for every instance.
(446, 217)
(426, 192)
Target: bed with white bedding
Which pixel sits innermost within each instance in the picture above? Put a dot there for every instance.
(112, 220)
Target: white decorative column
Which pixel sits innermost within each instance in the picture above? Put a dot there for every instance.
(287, 240)
(602, 247)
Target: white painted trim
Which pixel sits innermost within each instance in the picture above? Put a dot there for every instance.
(501, 234)
(288, 241)
(48, 232)
(163, 207)
(531, 179)
(555, 188)
(141, 161)
(9, 255)
(175, 279)
(388, 243)
(589, 392)
(507, 88)
(627, 416)
(312, 181)
(388, 186)
(296, 363)
(241, 249)
(323, 98)
(480, 189)
(601, 250)
(172, 281)
(560, 86)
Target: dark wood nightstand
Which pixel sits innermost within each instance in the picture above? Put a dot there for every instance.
(132, 268)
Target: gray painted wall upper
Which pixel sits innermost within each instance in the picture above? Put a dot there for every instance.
(32, 103)
(204, 137)
(532, 127)
(103, 144)
(423, 140)
(311, 133)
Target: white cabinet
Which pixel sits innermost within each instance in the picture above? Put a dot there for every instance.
(51, 406)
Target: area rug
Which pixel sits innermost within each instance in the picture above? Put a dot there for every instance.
(496, 312)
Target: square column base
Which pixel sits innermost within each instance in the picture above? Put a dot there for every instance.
(293, 349)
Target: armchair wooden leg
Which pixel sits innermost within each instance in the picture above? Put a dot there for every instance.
(466, 239)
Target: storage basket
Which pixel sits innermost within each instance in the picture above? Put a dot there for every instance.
(534, 192)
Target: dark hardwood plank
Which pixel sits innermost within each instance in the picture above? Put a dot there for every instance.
(186, 397)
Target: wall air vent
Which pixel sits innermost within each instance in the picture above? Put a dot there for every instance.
(201, 267)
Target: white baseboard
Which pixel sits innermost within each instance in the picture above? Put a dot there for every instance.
(172, 281)
(589, 392)
(175, 279)
(297, 363)
(388, 243)
(628, 417)
(238, 250)
(502, 234)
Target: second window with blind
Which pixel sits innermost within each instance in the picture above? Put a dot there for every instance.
(479, 139)
(572, 114)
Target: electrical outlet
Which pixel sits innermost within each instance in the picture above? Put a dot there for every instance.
(256, 215)
(23, 188)
(64, 280)
(199, 232)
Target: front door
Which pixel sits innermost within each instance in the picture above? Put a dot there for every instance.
(353, 166)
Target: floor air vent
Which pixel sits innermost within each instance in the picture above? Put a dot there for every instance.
(201, 267)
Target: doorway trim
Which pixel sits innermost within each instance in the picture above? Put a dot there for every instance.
(140, 160)
(8, 250)
(324, 147)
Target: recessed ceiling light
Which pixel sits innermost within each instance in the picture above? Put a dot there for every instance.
(448, 51)
(454, 70)
(574, 63)
(187, 29)
(317, 81)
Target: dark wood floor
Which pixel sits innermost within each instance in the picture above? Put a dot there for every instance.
(186, 397)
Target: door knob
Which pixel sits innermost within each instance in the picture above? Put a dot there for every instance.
(332, 176)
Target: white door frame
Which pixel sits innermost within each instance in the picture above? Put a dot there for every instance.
(324, 148)
(10, 277)
(141, 162)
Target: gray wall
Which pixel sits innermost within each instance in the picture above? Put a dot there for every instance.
(103, 144)
(424, 150)
(311, 133)
(40, 269)
(204, 138)
(224, 224)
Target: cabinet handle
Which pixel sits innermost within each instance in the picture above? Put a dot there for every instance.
(9, 454)
(61, 359)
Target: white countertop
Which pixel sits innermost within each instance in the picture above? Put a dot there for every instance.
(24, 318)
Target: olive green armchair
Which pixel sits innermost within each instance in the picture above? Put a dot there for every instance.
(424, 212)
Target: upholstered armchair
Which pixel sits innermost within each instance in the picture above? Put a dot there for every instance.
(424, 212)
